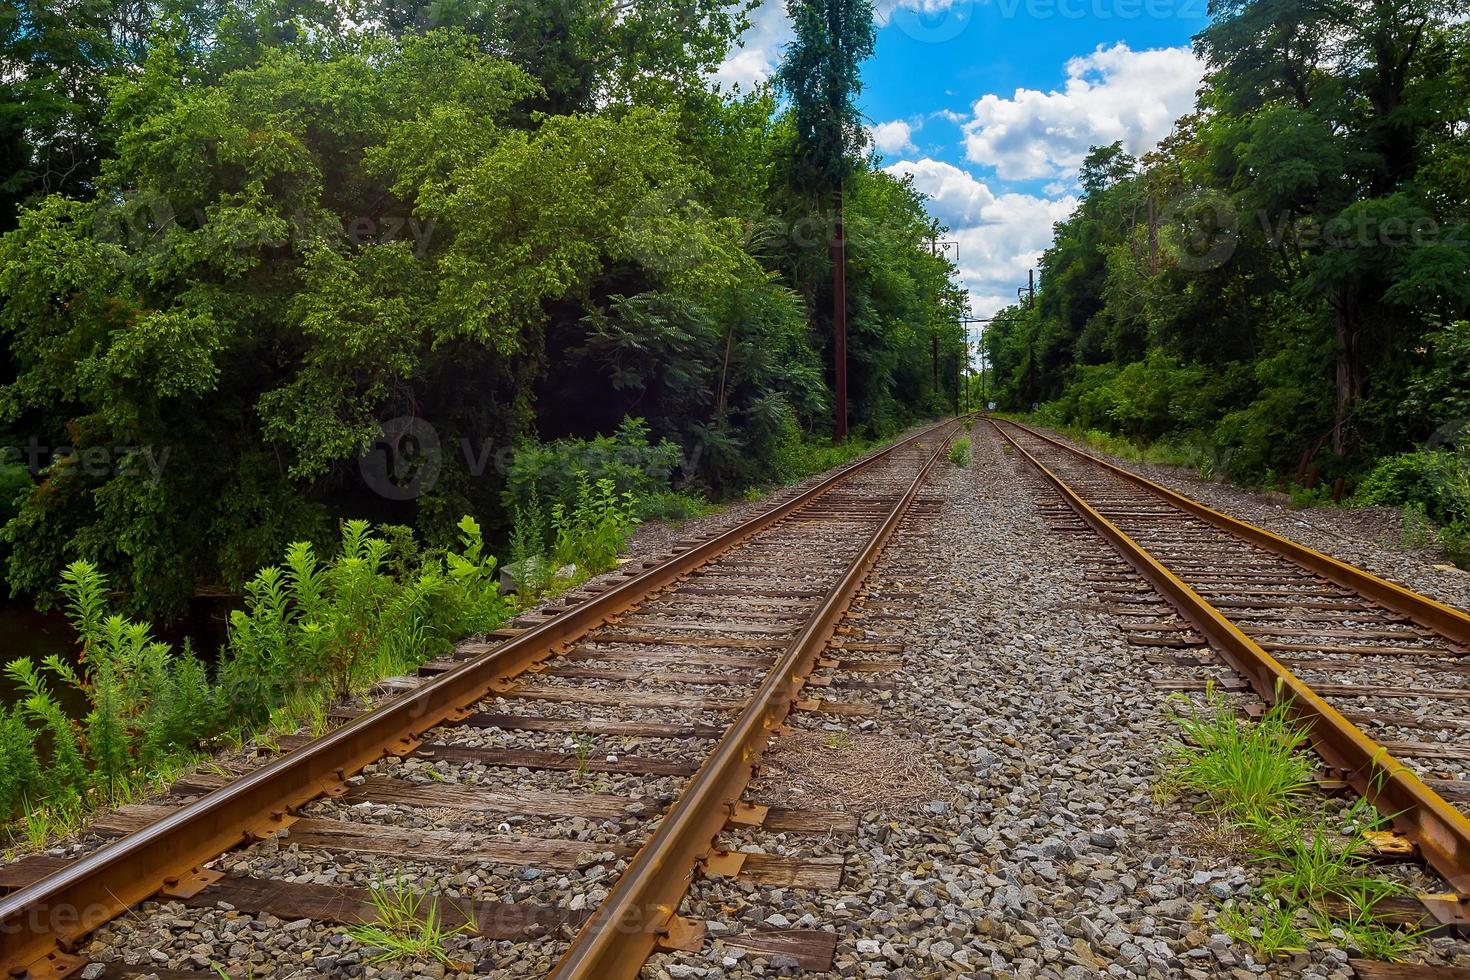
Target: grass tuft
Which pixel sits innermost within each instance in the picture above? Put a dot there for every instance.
(408, 925)
(1318, 883)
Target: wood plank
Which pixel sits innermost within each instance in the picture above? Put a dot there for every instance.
(406, 844)
(1428, 750)
(455, 796)
(403, 843)
(856, 666)
(28, 870)
(542, 723)
(555, 761)
(1403, 719)
(754, 661)
(670, 677)
(711, 625)
(1372, 691)
(810, 949)
(846, 709)
(781, 820)
(348, 905)
(742, 591)
(619, 699)
(687, 640)
(1359, 651)
(822, 873)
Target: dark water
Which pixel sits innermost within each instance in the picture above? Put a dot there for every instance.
(25, 632)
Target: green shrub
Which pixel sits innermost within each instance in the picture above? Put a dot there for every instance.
(20, 770)
(591, 533)
(673, 505)
(1438, 481)
(311, 629)
(542, 475)
(959, 452)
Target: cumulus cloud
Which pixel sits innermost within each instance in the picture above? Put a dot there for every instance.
(1000, 235)
(893, 137)
(1111, 94)
(758, 52)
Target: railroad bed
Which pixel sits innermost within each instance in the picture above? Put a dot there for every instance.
(1379, 672)
(556, 787)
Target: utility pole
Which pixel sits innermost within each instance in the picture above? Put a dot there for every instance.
(938, 248)
(839, 320)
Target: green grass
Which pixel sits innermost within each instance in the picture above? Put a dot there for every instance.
(1317, 878)
(1251, 772)
(959, 453)
(407, 925)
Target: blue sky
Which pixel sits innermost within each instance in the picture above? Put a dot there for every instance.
(991, 104)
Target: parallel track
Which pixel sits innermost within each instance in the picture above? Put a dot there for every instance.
(1344, 648)
(731, 625)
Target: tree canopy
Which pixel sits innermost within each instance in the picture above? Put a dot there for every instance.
(1279, 278)
(294, 237)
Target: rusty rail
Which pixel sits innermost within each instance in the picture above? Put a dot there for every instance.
(1441, 832)
(1443, 619)
(641, 911)
(41, 924)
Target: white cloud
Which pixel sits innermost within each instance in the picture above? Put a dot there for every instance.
(758, 51)
(892, 138)
(1111, 94)
(1000, 235)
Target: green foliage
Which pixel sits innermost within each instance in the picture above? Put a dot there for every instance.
(1252, 771)
(311, 629)
(406, 924)
(543, 476)
(20, 770)
(959, 452)
(821, 74)
(595, 528)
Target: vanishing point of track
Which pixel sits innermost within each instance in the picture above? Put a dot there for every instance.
(1345, 649)
(735, 624)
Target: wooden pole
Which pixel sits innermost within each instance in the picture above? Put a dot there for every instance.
(839, 320)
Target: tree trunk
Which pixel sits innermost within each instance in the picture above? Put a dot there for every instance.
(1349, 369)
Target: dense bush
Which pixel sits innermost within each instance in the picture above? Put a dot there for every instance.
(292, 228)
(545, 475)
(1433, 483)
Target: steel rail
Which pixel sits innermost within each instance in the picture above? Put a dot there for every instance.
(1443, 619)
(41, 924)
(1441, 832)
(641, 911)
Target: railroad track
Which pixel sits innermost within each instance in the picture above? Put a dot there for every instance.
(579, 769)
(1378, 672)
